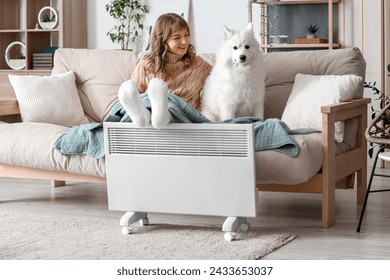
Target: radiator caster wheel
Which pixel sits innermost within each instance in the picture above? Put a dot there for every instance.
(245, 226)
(144, 221)
(126, 230)
(229, 236)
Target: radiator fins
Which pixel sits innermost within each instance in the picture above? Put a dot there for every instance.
(179, 142)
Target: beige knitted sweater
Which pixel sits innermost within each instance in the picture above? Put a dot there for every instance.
(185, 82)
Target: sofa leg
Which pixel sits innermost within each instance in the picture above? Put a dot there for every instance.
(57, 183)
(328, 210)
(328, 201)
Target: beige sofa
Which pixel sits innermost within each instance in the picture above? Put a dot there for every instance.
(26, 149)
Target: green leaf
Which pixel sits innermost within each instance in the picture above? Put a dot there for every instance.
(128, 15)
(370, 152)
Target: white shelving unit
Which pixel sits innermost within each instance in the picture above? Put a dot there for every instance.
(18, 23)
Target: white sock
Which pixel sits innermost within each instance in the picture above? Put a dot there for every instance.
(130, 99)
(158, 95)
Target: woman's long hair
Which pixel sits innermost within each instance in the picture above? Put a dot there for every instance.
(165, 26)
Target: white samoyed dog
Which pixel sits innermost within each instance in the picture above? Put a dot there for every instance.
(235, 86)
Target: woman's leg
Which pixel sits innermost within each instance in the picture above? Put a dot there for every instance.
(158, 96)
(130, 99)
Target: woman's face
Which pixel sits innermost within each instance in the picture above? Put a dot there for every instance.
(179, 41)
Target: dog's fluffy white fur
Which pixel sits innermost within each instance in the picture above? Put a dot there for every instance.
(235, 86)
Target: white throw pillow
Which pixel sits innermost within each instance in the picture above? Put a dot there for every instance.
(310, 92)
(49, 99)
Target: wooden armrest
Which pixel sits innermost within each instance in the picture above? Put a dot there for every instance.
(343, 111)
(8, 106)
(346, 110)
(339, 166)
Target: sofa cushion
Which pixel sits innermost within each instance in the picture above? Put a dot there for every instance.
(311, 92)
(282, 67)
(48, 99)
(99, 73)
(276, 168)
(30, 145)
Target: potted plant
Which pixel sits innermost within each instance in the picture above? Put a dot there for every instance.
(312, 31)
(48, 17)
(129, 16)
(16, 62)
(48, 21)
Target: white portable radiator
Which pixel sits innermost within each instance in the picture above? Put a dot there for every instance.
(196, 169)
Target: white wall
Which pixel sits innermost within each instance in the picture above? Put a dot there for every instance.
(206, 19)
(371, 40)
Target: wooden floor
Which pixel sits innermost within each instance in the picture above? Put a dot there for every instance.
(296, 213)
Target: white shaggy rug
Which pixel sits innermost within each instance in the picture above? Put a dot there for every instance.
(50, 237)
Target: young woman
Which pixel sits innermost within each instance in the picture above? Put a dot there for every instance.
(171, 66)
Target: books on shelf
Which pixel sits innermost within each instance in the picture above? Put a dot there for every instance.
(42, 60)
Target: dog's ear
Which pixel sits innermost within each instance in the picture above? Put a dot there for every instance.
(249, 27)
(227, 32)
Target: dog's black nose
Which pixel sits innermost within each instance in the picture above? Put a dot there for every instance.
(242, 57)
